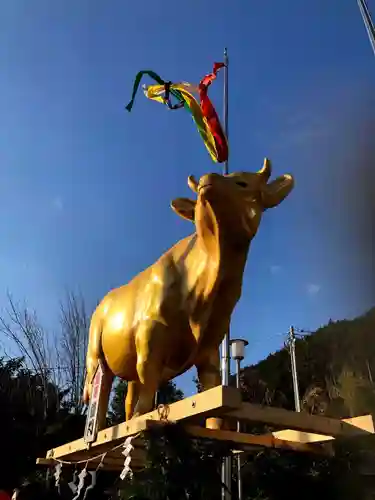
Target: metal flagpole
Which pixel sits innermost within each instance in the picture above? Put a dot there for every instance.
(226, 475)
(369, 25)
(225, 117)
(225, 348)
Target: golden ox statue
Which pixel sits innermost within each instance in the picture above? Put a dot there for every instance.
(175, 314)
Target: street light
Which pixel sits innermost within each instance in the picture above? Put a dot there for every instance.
(238, 348)
(238, 354)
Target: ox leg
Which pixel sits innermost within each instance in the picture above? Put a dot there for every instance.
(151, 344)
(209, 376)
(131, 399)
(104, 398)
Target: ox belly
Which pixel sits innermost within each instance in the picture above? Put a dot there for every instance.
(119, 348)
(119, 351)
(124, 317)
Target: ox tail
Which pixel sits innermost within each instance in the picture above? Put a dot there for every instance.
(94, 351)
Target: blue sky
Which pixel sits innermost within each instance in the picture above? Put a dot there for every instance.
(85, 187)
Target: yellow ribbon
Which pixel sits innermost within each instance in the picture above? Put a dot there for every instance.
(157, 92)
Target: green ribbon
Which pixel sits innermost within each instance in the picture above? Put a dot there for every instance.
(158, 80)
(137, 81)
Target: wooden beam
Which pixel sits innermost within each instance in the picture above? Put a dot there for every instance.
(364, 422)
(214, 402)
(244, 441)
(279, 417)
(138, 454)
(73, 451)
(112, 465)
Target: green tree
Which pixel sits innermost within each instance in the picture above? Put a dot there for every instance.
(116, 413)
(168, 393)
(29, 404)
(177, 467)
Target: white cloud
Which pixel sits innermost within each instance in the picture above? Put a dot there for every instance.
(313, 288)
(58, 203)
(275, 269)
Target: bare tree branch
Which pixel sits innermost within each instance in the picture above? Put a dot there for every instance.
(74, 337)
(22, 327)
(65, 365)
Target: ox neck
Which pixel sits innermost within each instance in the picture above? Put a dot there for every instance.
(226, 250)
(223, 293)
(232, 260)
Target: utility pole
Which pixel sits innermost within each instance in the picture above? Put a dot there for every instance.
(156, 403)
(369, 371)
(292, 352)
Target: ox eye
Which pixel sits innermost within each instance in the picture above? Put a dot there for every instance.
(242, 184)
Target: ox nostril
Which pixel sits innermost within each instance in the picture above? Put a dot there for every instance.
(208, 179)
(241, 183)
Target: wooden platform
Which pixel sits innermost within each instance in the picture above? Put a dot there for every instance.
(300, 431)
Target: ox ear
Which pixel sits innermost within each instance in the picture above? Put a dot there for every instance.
(184, 208)
(276, 191)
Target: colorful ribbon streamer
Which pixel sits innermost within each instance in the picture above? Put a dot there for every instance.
(203, 112)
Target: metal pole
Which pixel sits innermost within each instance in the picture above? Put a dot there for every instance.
(369, 25)
(225, 348)
(226, 476)
(292, 351)
(238, 354)
(225, 114)
(238, 382)
(239, 465)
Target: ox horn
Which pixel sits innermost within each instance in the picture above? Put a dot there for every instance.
(192, 183)
(265, 171)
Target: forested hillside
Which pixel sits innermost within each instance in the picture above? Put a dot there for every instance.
(335, 371)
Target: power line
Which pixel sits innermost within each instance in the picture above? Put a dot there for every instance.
(369, 25)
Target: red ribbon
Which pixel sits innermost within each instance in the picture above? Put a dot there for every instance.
(211, 116)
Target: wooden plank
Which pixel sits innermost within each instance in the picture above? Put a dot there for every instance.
(137, 455)
(115, 466)
(301, 437)
(45, 461)
(214, 402)
(279, 417)
(92, 463)
(91, 453)
(74, 449)
(244, 441)
(364, 422)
